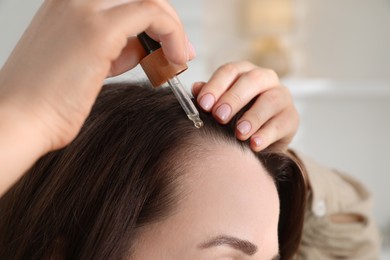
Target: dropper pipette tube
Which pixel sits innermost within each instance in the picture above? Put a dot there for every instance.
(185, 101)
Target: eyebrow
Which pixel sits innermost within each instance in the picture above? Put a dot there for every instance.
(244, 246)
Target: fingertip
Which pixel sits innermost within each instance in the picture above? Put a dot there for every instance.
(257, 143)
(175, 57)
(243, 128)
(174, 52)
(223, 113)
(239, 136)
(206, 102)
(196, 87)
(185, 56)
(191, 51)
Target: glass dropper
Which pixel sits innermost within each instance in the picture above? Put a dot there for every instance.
(185, 101)
(160, 72)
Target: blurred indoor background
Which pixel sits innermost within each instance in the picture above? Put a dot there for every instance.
(333, 55)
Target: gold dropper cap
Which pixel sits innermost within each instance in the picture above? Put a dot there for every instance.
(158, 69)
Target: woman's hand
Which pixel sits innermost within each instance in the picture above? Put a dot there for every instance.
(58, 67)
(52, 78)
(272, 120)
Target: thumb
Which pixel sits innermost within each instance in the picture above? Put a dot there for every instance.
(129, 57)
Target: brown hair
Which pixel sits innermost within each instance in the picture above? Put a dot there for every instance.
(87, 200)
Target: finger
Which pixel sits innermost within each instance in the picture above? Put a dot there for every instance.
(102, 5)
(109, 4)
(136, 17)
(196, 87)
(277, 132)
(267, 105)
(130, 56)
(220, 81)
(248, 86)
(170, 10)
(191, 52)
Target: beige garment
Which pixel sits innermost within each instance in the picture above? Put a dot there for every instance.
(333, 192)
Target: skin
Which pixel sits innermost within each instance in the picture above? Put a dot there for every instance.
(214, 188)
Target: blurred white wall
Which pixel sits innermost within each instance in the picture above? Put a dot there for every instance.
(345, 125)
(346, 39)
(15, 15)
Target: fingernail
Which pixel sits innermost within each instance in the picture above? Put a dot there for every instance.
(191, 51)
(207, 102)
(244, 127)
(223, 112)
(257, 141)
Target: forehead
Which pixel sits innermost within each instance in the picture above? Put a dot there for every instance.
(229, 191)
(233, 180)
(226, 192)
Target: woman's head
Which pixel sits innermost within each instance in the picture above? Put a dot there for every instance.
(141, 181)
